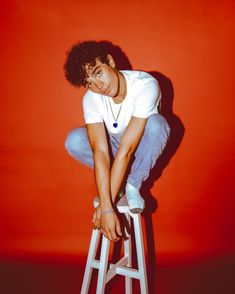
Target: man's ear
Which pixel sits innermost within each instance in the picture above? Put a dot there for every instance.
(111, 61)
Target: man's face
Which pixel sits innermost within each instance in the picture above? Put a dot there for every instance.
(103, 78)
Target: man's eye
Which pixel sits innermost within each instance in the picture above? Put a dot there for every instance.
(98, 73)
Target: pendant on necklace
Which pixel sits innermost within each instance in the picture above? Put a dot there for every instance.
(115, 124)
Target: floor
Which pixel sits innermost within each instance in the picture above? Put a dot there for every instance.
(32, 276)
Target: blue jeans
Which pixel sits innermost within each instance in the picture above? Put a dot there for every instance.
(151, 145)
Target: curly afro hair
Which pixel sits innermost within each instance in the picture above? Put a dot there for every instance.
(81, 54)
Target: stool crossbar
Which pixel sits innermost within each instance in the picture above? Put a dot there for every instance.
(106, 270)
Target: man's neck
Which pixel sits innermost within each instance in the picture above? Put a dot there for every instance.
(122, 89)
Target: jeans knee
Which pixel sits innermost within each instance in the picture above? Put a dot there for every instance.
(157, 126)
(71, 141)
(153, 125)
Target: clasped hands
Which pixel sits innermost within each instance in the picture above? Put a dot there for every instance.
(108, 223)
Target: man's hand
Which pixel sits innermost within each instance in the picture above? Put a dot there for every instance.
(97, 218)
(110, 226)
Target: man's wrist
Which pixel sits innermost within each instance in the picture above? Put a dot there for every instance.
(105, 204)
(107, 211)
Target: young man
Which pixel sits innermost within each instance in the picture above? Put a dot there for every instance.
(120, 110)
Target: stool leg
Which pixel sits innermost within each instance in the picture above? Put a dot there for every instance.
(91, 255)
(104, 255)
(140, 253)
(128, 253)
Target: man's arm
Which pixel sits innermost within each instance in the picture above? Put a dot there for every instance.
(127, 147)
(99, 146)
(128, 144)
(98, 141)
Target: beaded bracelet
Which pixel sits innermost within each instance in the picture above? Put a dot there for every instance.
(107, 211)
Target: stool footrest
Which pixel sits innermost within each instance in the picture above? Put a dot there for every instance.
(128, 272)
(95, 263)
(114, 268)
(119, 268)
(122, 262)
(123, 271)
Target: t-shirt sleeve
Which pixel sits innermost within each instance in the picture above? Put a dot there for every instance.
(91, 109)
(148, 95)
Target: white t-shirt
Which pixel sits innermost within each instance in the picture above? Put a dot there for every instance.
(142, 98)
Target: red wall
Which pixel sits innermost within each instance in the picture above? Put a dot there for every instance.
(46, 197)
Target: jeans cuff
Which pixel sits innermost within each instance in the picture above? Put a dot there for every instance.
(131, 181)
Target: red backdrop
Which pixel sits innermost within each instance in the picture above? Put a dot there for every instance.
(46, 197)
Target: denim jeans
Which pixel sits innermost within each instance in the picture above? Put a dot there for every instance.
(150, 147)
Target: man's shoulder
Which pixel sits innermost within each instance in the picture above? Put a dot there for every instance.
(138, 76)
(90, 98)
(89, 95)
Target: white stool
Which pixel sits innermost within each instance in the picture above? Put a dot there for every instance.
(123, 266)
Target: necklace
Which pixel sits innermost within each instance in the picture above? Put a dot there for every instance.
(115, 124)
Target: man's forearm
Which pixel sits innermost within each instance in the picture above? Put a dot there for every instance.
(102, 177)
(128, 145)
(118, 171)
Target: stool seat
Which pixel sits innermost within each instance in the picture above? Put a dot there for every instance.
(106, 270)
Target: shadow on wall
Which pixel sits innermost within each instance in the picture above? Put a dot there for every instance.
(121, 60)
(175, 139)
(177, 133)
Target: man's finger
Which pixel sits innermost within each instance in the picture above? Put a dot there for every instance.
(118, 229)
(114, 235)
(97, 224)
(104, 233)
(109, 236)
